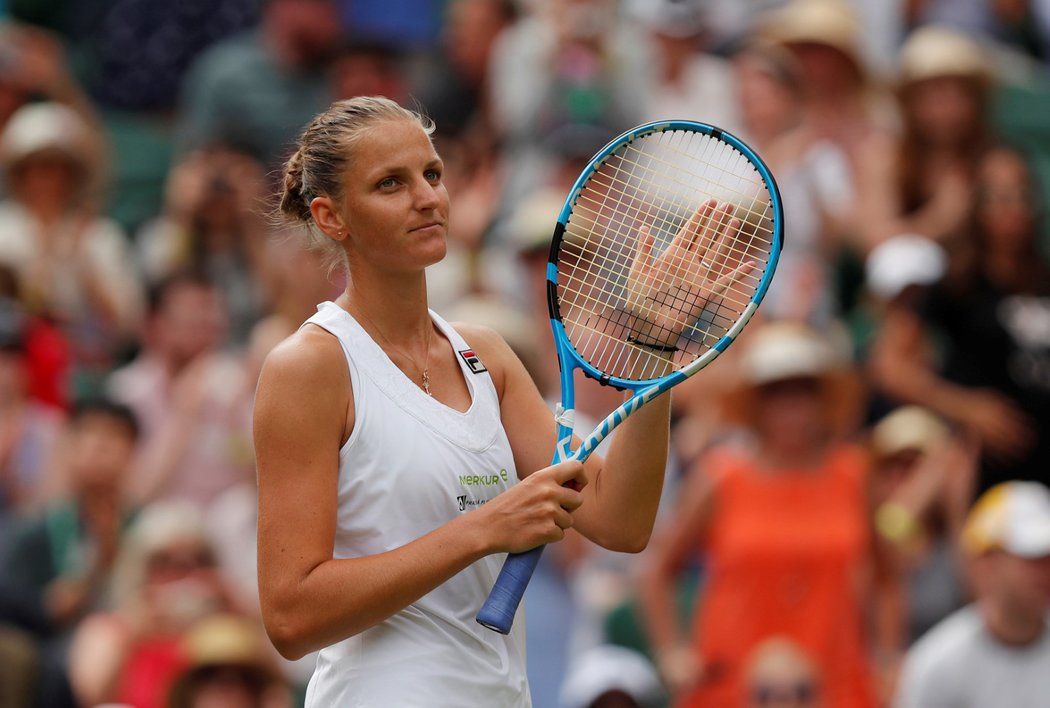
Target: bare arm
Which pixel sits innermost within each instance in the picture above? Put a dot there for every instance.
(620, 504)
(303, 412)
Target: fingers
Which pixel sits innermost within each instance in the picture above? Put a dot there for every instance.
(714, 227)
(569, 470)
(643, 251)
(690, 233)
(727, 280)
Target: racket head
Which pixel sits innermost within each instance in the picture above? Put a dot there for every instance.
(657, 175)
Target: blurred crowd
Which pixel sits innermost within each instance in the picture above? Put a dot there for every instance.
(856, 512)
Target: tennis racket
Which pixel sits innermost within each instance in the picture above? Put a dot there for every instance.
(662, 253)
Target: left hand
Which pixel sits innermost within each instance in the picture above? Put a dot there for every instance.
(669, 292)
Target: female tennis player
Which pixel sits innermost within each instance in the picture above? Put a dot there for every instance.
(399, 457)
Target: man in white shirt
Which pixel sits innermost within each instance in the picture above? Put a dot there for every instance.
(996, 651)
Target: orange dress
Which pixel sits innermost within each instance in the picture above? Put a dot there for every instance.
(786, 553)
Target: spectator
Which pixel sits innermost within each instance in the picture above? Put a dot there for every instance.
(368, 68)
(193, 398)
(784, 528)
(454, 85)
(229, 665)
(211, 224)
(691, 83)
(611, 677)
(924, 182)
(923, 483)
(165, 581)
(988, 314)
(994, 652)
(255, 92)
(74, 264)
(60, 560)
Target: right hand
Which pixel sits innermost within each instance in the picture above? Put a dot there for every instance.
(1004, 430)
(537, 510)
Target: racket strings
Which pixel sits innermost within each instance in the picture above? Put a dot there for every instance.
(622, 323)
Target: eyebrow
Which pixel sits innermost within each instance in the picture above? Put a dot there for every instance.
(384, 170)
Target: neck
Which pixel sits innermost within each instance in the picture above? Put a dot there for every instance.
(1013, 626)
(397, 306)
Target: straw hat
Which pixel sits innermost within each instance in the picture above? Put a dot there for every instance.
(46, 128)
(782, 351)
(935, 52)
(223, 641)
(909, 428)
(830, 23)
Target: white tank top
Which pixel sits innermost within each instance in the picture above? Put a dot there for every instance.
(411, 465)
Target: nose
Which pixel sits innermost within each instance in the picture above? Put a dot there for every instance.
(426, 196)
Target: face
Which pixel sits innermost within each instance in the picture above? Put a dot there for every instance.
(472, 28)
(1021, 585)
(182, 583)
(47, 180)
(311, 28)
(100, 450)
(893, 471)
(768, 105)
(791, 412)
(1006, 201)
(825, 69)
(395, 205)
(191, 321)
(943, 110)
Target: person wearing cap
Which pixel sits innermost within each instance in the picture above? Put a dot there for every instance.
(994, 653)
(783, 524)
(923, 182)
(72, 264)
(973, 346)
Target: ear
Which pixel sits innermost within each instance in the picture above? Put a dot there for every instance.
(328, 218)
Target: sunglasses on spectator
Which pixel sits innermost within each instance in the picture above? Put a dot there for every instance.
(180, 562)
(770, 693)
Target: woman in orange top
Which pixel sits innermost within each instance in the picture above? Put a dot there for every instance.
(784, 526)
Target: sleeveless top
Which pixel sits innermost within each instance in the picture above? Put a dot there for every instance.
(786, 554)
(411, 465)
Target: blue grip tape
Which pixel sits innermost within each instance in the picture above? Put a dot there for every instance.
(498, 611)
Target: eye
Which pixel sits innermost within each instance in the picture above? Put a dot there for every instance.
(433, 175)
(387, 183)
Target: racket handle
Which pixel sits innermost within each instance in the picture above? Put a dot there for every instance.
(498, 611)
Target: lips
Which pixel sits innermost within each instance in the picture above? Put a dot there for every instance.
(427, 225)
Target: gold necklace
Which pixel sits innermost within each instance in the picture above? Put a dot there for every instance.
(426, 360)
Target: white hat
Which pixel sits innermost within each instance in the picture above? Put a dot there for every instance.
(610, 668)
(932, 52)
(907, 428)
(903, 261)
(40, 127)
(1012, 517)
(785, 350)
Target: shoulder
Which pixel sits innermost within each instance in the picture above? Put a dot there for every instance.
(491, 348)
(941, 652)
(311, 358)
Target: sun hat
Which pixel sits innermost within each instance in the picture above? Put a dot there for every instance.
(222, 641)
(46, 128)
(903, 261)
(1012, 517)
(934, 52)
(908, 428)
(831, 23)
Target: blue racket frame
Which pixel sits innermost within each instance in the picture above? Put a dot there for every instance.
(499, 609)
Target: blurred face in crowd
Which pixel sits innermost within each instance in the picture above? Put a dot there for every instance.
(12, 374)
(46, 181)
(1006, 201)
(367, 72)
(781, 678)
(769, 104)
(227, 687)
(191, 321)
(791, 412)
(1019, 586)
(182, 583)
(470, 32)
(100, 449)
(893, 471)
(395, 206)
(826, 70)
(943, 110)
(310, 28)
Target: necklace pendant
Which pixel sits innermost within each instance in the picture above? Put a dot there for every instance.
(426, 382)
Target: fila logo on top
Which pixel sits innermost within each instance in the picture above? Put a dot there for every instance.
(473, 362)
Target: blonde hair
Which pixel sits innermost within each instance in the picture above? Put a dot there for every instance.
(323, 153)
